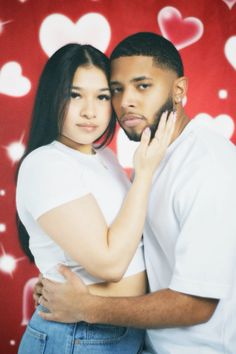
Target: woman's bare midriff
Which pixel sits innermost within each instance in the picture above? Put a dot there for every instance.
(133, 285)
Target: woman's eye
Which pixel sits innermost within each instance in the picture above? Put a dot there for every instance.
(75, 95)
(104, 97)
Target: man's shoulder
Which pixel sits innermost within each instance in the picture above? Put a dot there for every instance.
(203, 144)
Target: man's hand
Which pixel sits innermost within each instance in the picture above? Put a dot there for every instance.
(62, 299)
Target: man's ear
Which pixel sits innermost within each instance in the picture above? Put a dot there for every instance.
(180, 89)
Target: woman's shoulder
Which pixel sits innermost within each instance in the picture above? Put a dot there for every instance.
(45, 157)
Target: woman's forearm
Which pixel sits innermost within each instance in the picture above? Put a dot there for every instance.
(125, 233)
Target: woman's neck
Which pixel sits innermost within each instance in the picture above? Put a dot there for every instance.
(84, 148)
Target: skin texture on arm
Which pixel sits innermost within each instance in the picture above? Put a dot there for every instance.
(72, 302)
(68, 223)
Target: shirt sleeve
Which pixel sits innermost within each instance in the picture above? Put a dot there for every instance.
(206, 247)
(48, 180)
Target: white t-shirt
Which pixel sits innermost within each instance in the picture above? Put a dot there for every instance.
(190, 238)
(56, 174)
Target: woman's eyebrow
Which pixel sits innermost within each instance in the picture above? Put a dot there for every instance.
(78, 88)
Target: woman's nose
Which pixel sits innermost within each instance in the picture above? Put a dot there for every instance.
(88, 110)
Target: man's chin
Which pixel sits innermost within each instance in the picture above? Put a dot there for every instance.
(132, 135)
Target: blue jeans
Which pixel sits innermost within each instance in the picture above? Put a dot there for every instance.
(44, 337)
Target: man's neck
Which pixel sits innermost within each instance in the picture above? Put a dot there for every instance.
(181, 122)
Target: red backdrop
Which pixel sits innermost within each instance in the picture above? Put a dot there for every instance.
(31, 30)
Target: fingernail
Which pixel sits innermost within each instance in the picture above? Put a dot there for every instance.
(59, 266)
(147, 131)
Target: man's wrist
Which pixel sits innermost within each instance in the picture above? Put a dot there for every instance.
(90, 308)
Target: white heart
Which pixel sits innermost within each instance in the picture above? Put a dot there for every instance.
(230, 3)
(222, 124)
(230, 51)
(58, 30)
(12, 83)
(125, 149)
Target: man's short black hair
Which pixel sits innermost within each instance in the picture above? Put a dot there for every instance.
(164, 53)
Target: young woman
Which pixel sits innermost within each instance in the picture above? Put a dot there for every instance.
(76, 203)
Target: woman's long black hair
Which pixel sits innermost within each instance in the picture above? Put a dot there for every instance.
(52, 101)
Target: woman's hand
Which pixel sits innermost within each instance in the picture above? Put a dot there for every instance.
(149, 154)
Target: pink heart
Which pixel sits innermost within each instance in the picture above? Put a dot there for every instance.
(230, 3)
(181, 32)
(27, 304)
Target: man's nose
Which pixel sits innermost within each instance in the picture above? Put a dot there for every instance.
(128, 99)
(88, 109)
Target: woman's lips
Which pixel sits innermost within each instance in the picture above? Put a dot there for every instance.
(87, 127)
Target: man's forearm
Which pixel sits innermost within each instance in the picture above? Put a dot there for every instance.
(71, 302)
(165, 308)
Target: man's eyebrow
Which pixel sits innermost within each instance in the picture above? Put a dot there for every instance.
(115, 83)
(78, 88)
(140, 78)
(135, 79)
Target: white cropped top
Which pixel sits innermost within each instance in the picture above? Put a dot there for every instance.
(56, 174)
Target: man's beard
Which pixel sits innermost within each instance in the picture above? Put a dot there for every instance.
(167, 106)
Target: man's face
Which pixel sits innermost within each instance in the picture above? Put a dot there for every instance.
(141, 92)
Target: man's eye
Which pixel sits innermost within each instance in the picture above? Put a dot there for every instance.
(104, 97)
(116, 90)
(75, 95)
(143, 86)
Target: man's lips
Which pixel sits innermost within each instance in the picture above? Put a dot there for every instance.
(131, 120)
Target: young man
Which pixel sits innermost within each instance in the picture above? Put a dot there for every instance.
(190, 232)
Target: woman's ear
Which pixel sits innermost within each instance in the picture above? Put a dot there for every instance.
(180, 89)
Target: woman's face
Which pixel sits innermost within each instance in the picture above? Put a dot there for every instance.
(89, 109)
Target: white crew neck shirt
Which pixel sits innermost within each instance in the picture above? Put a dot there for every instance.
(55, 174)
(190, 238)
